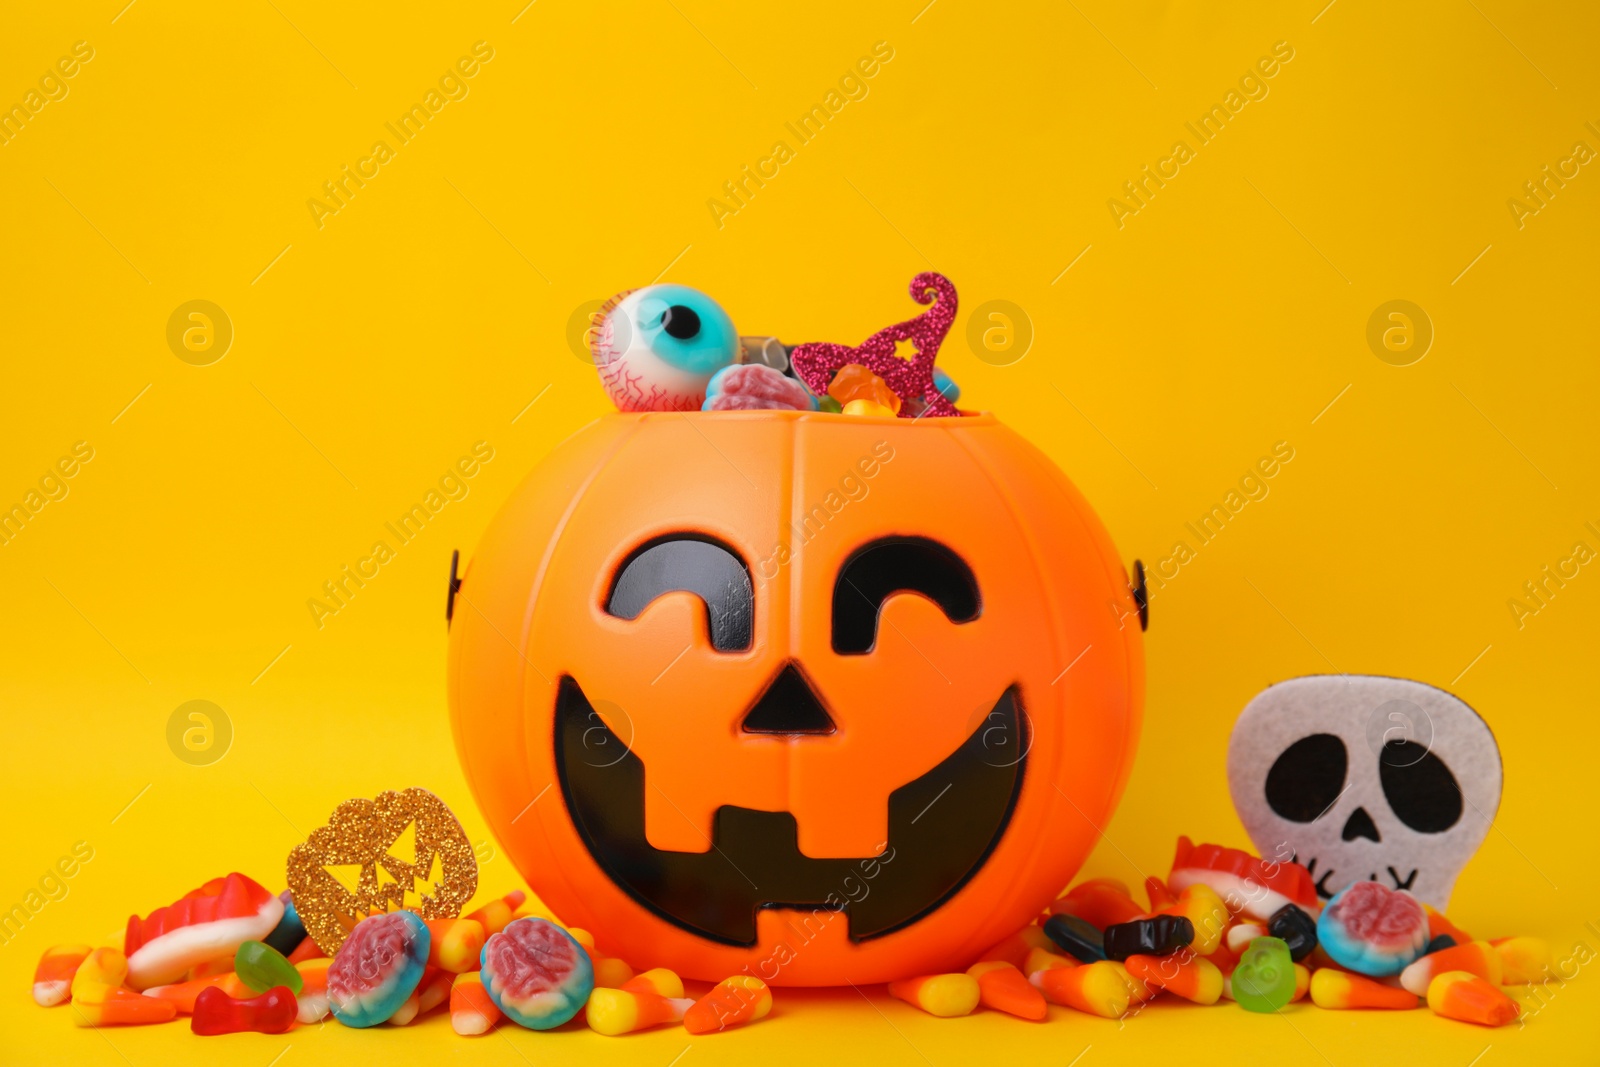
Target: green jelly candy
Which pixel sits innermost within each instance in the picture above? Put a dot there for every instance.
(1264, 979)
(261, 967)
(828, 403)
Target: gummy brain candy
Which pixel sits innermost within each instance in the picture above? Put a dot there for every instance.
(1372, 929)
(536, 973)
(377, 968)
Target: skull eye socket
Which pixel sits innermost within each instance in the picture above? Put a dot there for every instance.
(1306, 778)
(686, 563)
(1419, 787)
(898, 565)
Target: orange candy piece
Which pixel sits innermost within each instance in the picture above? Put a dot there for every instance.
(943, 995)
(471, 1010)
(1475, 957)
(1160, 896)
(1004, 988)
(115, 1006)
(1342, 990)
(182, 994)
(657, 980)
(1040, 959)
(454, 944)
(1014, 949)
(1190, 977)
(1101, 902)
(853, 381)
(307, 949)
(1439, 924)
(52, 979)
(732, 1002)
(1100, 988)
(1470, 999)
(494, 915)
(1523, 960)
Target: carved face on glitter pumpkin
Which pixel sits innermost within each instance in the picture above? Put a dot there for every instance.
(834, 699)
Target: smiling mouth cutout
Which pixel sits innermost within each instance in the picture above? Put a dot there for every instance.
(942, 828)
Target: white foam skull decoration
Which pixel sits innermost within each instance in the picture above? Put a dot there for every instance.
(1362, 777)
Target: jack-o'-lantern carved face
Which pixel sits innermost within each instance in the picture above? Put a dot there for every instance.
(826, 698)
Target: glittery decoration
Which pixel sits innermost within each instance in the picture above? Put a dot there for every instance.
(911, 379)
(401, 852)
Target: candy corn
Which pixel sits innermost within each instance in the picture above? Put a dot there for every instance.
(454, 944)
(1201, 905)
(1471, 999)
(471, 1010)
(1039, 959)
(312, 1003)
(52, 979)
(657, 980)
(1004, 988)
(1095, 988)
(1190, 977)
(943, 995)
(1475, 957)
(1339, 990)
(494, 915)
(115, 1006)
(610, 972)
(617, 1011)
(101, 967)
(732, 1002)
(1523, 960)
(434, 990)
(1302, 982)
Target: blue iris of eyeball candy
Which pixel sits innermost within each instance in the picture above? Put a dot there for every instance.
(656, 348)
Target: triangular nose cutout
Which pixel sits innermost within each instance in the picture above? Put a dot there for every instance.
(789, 706)
(1359, 825)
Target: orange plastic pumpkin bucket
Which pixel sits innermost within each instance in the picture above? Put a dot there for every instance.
(788, 694)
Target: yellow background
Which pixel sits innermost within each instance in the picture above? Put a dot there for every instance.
(431, 310)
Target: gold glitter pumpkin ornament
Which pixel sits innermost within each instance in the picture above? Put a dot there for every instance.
(400, 851)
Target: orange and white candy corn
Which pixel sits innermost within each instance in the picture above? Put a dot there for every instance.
(454, 944)
(1475, 957)
(732, 1002)
(52, 979)
(471, 1010)
(1342, 990)
(943, 995)
(1004, 988)
(657, 980)
(494, 915)
(1470, 999)
(1099, 988)
(1190, 977)
(614, 1012)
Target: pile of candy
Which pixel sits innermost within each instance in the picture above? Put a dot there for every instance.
(1227, 924)
(234, 958)
(672, 348)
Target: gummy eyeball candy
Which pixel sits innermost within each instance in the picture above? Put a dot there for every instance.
(656, 348)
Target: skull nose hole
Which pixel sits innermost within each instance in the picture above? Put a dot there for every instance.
(789, 706)
(1360, 824)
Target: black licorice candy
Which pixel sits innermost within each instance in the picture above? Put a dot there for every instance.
(1296, 928)
(1156, 936)
(1077, 937)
